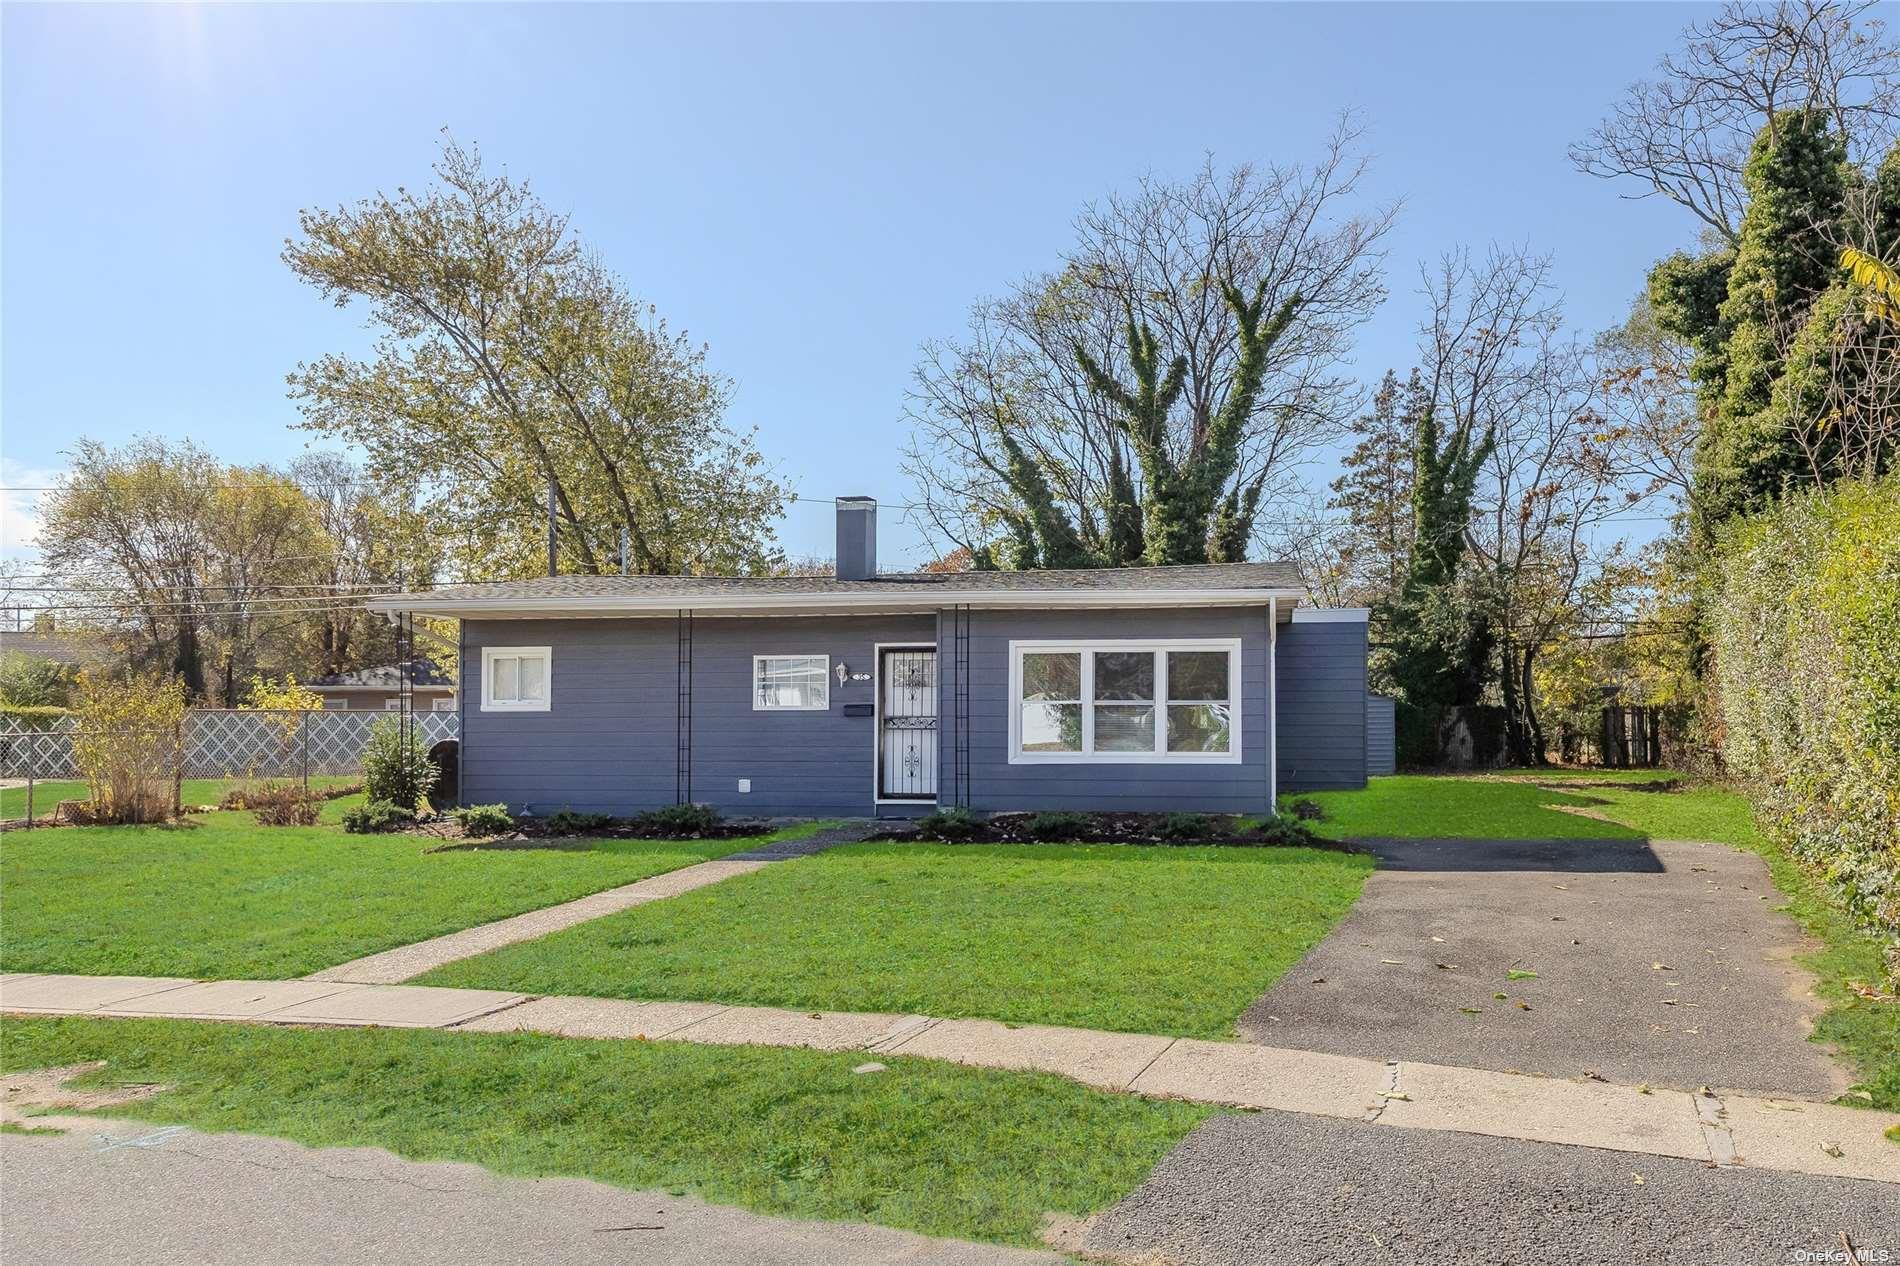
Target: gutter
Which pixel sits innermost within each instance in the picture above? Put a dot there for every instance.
(527, 608)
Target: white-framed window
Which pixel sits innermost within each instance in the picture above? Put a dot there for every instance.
(791, 683)
(444, 705)
(393, 704)
(1173, 700)
(516, 678)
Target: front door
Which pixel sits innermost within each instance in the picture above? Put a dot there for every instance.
(907, 724)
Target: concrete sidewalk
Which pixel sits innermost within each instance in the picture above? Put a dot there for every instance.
(406, 962)
(1714, 1128)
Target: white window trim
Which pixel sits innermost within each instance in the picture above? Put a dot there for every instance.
(1161, 756)
(491, 653)
(753, 685)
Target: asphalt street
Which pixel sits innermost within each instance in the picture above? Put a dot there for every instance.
(111, 1192)
(1270, 1188)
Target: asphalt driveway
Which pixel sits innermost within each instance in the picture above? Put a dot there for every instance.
(1641, 962)
(1277, 1188)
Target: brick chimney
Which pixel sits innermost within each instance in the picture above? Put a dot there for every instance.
(857, 538)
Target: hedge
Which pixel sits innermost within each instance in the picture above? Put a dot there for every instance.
(1805, 629)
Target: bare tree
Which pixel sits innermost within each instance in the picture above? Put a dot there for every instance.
(1686, 133)
(1652, 418)
(1160, 258)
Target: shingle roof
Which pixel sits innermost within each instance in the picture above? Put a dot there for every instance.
(916, 588)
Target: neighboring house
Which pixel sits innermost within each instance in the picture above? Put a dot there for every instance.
(430, 690)
(1152, 688)
(80, 650)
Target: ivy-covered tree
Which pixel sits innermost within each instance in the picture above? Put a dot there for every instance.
(1440, 641)
(1141, 402)
(1185, 516)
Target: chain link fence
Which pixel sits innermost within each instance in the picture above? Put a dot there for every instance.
(38, 766)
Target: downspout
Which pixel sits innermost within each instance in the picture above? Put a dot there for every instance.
(1273, 697)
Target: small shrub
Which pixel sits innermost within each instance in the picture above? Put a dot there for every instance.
(1284, 829)
(284, 804)
(576, 822)
(485, 819)
(127, 745)
(948, 824)
(1057, 827)
(377, 815)
(1186, 828)
(1305, 810)
(683, 820)
(394, 770)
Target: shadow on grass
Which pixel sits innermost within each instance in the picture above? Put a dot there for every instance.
(1573, 856)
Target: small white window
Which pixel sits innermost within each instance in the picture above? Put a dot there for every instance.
(445, 705)
(515, 678)
(791, 683)
(393, 705)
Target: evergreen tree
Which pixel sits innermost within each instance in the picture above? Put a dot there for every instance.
(1375, 492)
(1750, 451)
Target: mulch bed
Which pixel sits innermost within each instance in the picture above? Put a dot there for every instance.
(1117, 828)
(532, 834)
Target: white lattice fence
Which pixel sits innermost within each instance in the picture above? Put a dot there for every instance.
(222, 743)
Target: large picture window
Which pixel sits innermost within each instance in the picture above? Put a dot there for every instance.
(791, 683)
(516, 678)
(1125, 701)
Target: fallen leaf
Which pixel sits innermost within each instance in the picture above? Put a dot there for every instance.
(1659, 967)
(1446, 966)
(1439, 939)
(1523, 1005)
(1395, 1094)
(1643, 1089)
(1832, 1149)
(1519, 973)
(1638, 1178)
(1393, 962)
(1472, 1010)
(1500, 997)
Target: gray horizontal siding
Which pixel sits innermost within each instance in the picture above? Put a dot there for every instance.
(995, 784)
(609, 741)
(1322, 730)
(1381, 736)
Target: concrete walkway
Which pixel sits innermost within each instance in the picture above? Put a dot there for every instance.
(406, 962)
(1713, 1128)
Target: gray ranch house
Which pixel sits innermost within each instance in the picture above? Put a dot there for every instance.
(1202, 688)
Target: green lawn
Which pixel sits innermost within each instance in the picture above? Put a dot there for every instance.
(928, 1146)
(1428, 806)
(196, 791)
(1151, 940)
(219, 896)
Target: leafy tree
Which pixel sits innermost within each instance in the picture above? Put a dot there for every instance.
(190, 561)
(509, 361)
(28, 681)
(1140, 403)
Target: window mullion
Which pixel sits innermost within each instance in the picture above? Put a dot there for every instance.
(1161, 703)
(1088, 703)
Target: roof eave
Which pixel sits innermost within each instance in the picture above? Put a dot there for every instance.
(449, 607)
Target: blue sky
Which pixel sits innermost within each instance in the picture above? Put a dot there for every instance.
(812, 190)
